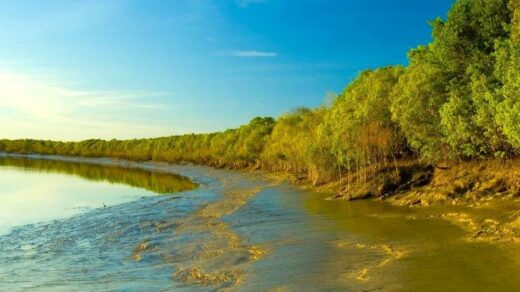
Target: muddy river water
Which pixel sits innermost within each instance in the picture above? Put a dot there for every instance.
(103, 225)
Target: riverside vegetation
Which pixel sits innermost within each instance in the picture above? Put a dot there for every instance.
(445, 128)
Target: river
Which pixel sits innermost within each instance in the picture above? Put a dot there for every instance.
(99, 224)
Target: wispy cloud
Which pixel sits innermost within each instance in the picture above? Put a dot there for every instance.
(43, 109)
(246, 3)
(254, 54)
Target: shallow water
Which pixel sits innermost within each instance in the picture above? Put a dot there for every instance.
(239, 231)
(35, 190)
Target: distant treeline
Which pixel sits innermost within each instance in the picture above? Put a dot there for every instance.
(459, 98)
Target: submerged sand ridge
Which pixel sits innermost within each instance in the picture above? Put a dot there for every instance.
(220, 258)
(212, 254)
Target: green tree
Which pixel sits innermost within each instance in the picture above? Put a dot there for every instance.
(508, 72)
(359, 122)
(416, 100)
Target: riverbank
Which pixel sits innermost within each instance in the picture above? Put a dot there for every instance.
(488, 191)
(487, 194)
(411, 183)
(403, 183)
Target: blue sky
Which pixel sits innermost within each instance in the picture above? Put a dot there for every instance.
(71, 70)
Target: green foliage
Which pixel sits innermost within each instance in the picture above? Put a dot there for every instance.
(416, 101)
(234, 147)
(508, 72)
(467, 38)
(359, 122)
(465, 45)
(289, 143)
(446, 103)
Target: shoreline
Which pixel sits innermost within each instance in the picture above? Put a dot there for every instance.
(484, 189)
(407, 183)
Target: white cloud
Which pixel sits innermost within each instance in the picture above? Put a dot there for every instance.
(254, 54)
(36, 109)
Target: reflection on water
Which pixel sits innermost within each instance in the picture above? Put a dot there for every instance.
(34, 190)
(246, 233)
(158, 182)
